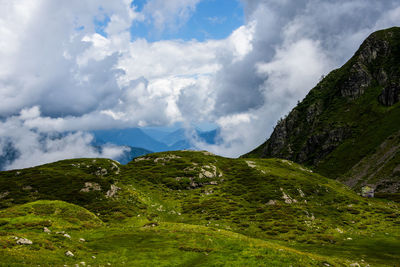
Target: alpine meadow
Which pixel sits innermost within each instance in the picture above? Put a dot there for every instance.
(132, 133)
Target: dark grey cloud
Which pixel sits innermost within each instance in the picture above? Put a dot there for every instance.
(337, 26)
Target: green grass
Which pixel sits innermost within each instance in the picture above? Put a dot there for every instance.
(157, 219)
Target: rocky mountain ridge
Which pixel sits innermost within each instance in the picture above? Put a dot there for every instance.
(347, 117)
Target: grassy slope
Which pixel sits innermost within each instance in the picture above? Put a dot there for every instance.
(227, 217)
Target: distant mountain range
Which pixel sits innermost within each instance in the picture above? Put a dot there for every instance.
(138, 141)
(156, 140)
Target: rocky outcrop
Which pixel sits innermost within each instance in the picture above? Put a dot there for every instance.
(320, 145)
(113, 191)
(390, 95)
(91, 187)
(357, 82)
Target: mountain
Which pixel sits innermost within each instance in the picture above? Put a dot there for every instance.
(131, 153)
(190, 208)
(178, 140)
(155, 133)
(153, 139)
(174, 137)
(348, 126)
(133, 137)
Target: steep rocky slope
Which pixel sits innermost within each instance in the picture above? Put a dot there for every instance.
(188, 208)
(348, 126)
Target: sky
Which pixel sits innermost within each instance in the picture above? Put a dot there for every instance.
(68, 67)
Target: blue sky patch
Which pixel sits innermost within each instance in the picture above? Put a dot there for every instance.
(212, 19)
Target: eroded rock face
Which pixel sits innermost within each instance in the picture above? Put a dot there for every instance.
(277, 145)
(357, 82)
(360, 78)
(390, 95)
(322, 144)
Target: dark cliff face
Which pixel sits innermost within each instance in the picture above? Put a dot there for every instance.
(347, 115)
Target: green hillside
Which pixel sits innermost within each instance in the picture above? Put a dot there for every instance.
(348, 126)
(191, 208)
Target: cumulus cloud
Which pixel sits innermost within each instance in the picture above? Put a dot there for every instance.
(31, 146)
(77, 79)
(293, 44)
(169, 14)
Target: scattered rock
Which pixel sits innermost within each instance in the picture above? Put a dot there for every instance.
(91, 187)
(115, 166)
(46, 230)
(300, 192)
(82, 240)
(67, 236)
(141, 159)
(82, 263)
(4, 194)
(287, 198)
(207, 153)
(69, 254)
(355, 264)
(27, 188)
(93, 257)
(209, 172)
(271, 202)
(367, 191)
(101, 172)
(24, 241)
(113, 191)
(166, 158)
(251, 164)
(151, 224)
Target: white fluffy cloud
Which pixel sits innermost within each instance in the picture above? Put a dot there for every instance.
(35, 146)
(52, 59)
